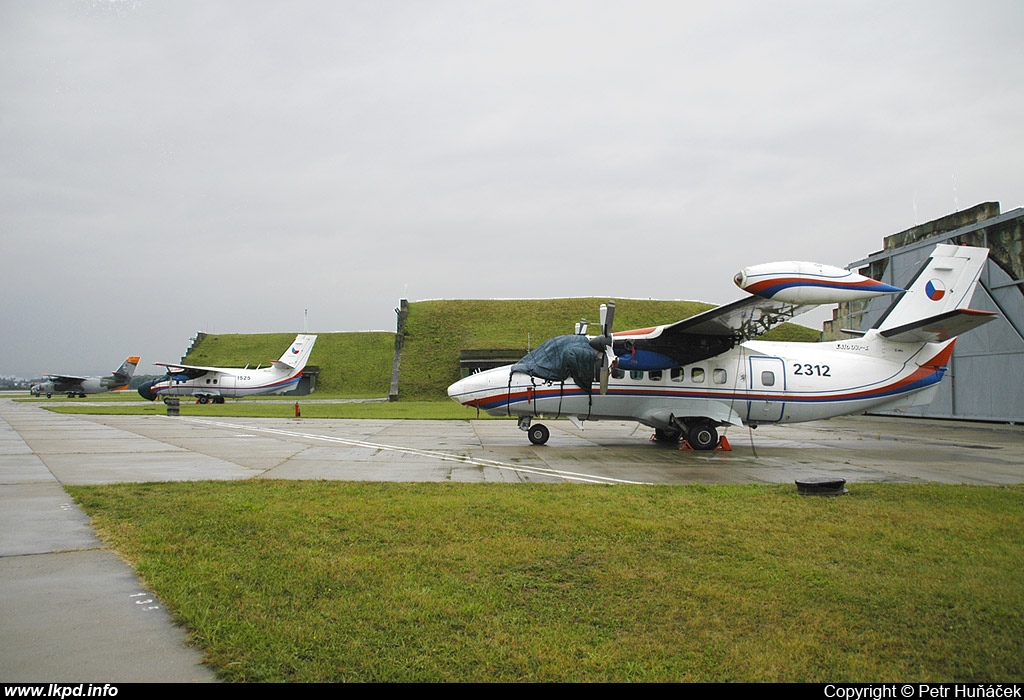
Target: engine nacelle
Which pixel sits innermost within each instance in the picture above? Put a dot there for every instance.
(809, 283)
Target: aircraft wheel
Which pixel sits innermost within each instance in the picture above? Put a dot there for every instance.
(669, 436)
(218, 399)
(49, 395)
(203, 399)
(538, 434)
(702, 436)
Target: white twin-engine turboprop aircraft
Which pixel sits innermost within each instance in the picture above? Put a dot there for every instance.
(215, 383)
(688, 379)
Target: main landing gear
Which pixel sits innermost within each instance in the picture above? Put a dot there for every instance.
(667, 436)
(696, 433)
(702, 435)
(203, 398)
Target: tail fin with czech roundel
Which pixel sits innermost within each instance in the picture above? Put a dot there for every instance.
(298, 352)
(935, 306)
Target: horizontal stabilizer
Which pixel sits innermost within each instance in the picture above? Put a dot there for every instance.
(940, 328)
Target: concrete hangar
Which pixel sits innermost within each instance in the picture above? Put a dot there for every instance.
(985, 380)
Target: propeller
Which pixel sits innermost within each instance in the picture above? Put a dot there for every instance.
(604, 344)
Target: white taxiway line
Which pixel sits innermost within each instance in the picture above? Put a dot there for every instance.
(434, 454)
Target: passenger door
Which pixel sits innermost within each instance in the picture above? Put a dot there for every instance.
(767, 389)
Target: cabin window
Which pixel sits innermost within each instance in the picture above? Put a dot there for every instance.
(719, 376)
(618, 374)
(636, 374)
(697, 375)
(767, 378)
(677, 374)
(655, 375)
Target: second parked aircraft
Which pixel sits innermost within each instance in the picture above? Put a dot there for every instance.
(214, 384)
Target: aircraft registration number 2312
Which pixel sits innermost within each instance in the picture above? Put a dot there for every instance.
(812, 370)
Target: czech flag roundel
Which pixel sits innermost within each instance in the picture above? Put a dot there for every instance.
(935, 290)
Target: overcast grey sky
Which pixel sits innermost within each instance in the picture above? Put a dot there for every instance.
(173, 166)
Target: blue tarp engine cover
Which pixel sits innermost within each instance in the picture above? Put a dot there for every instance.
(560, 358)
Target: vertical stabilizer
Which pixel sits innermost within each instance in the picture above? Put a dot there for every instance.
(297, 353)
(127, 368)
(943, 285)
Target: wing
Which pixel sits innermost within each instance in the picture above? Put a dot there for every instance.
(188, 371)
(702, 336)
(175, 365)
(65, 378)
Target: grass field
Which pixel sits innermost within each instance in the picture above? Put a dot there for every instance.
(330, 581)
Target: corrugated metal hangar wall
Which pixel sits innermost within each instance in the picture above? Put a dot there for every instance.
(985, 380)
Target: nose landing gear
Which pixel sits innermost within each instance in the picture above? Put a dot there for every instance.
(538, 433)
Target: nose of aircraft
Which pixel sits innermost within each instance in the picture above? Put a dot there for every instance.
(146, 390)
(476, 386)
(477, 389)
(460, 390)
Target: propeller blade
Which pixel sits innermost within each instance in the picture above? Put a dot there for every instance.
(607, 318)
(605, 344)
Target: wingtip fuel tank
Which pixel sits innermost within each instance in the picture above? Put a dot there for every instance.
(809, 283)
